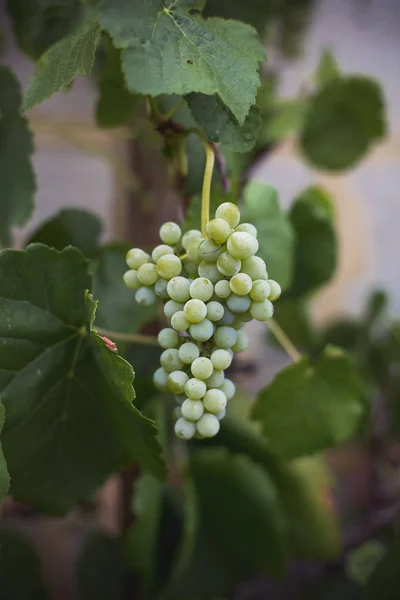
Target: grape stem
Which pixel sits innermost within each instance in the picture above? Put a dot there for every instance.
(284, 341)
(132, 338)
(205, 195)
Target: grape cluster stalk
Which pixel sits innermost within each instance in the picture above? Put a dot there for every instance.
(211, 286)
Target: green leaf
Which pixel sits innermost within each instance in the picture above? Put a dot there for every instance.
(275, 235)
(68, 396)
(315, 247)
(286, 120)
(71, 56)
(385, 580)
(100, 568)
(70, 227)
(363, 560)
(308, 408)
(220, 125)
(169, 48)
(17, 179)
(327, 69)
(343, 121)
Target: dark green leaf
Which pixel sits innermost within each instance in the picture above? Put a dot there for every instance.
(70, 227)
(343, 121)
(67, 395)
(327, 69)
(385, 580)
(17, 180)
(308, 408)
(100, 568)
(287, 119)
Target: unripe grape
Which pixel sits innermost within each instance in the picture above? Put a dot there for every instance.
(208, 425)
(254, 267)
(247, 228)
(131, 279)
(168, 338)
(184, 429)
(192, 249)
(218, 230)
(229, 212)
(275, 290)
(178, 289)
(147, 274)
(195, 311)
(209, 251)
(201, 288)
(179, 398)
(170, 233)
(260, 290)
(169, 266)
(246, 316)
(227, 265)
(203, 331)
(160, 379)
(171, 307)
(222, 289)
(201, 368)
(189, 236)
(227, 318)
(195, 388)
(241, 284)
(176, 381)
(145, 296)
(160, 288)
(216, 379)
(136, 257)
(242, 245)
(215, 311)
(225, 337)
(238, 304)
(221, 414)
(214, 401)
(177, 413)
(210, 271)
(228, 387)
(192, 410)
(242, 342)
(188, 352)
(170, 360)
(221, 359)
(160, 251)
(191, 268)
(262, 311)
(238, 323)
(179, 322)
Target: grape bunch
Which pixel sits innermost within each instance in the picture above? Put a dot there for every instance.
(211, 286)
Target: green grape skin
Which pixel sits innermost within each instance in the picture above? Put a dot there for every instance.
(228, 387)
(241, 284)
(179, 322)
(169, 266)
(221, 359)
(242, 342)
(238, 323)
(160, 379)
(131, 279)
(192, 249)
(201, 288)
(255, 268)
(136, 257)
(215, 310)
(238, 304)
(218, 230)
(247, 228)
(177, 413)
(229, 212)
(178, 289)
(184, 429)
(227, 265)
(260, 290)
(221, 414)
(170, 233)
(195, 310)
(222, 289)
(188, 352)
(176, 381)
(214, 401)
(210, 271)
(170, 360)
(179, 398)
(145, 296)
(160, 251)
(192, 410)
(168, 338)
(171, 307)
(147, 274)
(225, 337)
(191, 268)
(242, 245)
(227, 318)
(201, 368)
(203, 331)
(160, 288)
(208, 425)
(216, 379)
(189, 236)
(195, 388)
(275, 290)
(209, 251)
(262, 311)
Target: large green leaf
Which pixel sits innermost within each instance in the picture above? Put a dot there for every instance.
(307, 408)
(170, 48)
(68, 396)
(17, 180)
(100, 568)
(71, 56)
(385, 580)
(343, 120)
(275, 235)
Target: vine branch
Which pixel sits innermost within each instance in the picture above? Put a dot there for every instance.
(284, 341)
(132, 338)
(205, 194)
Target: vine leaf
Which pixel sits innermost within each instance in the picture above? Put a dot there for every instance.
(62, 62)
(308, 408)
(17, 179)
(70, 419)
(170, 48)
(328, 68)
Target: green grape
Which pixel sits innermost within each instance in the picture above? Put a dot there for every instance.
(254, 267)
(242, 245)
(179, 322)
(215, 311)
(210, 271)
(222, 288)
(184, 429)
(192, 410)
(160, 251)
(201, 368)
(176, 381)
(221, 414)
(168, 338)
(246, 316)
(209, 251)
(145, 296)
(247, 228)
(227, 318)
(227, 265)
(214, 401)
(238, 323)
(238, 304)
(177, 413)
(195, 311)
(260, 290)
(178, 289)
(229, 212)
(169, 266)
(221, 359)
(160, 379)
(195, 388)
(228, 387)
(218, 230)
(241, 284)
(147, 274)
(171, 307)
(170, 360)
(179, 398)
(131, 279)
(203, 331)
(262, 311)
(225, 337)
(188, 352)
(170, 233)
(207, 426)
(189, 236)
(275, 290)
(242, 342)
(191, 268)
(192, 249)
(201, 289)
(136, 257)
(160, 288)
(216, 379)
